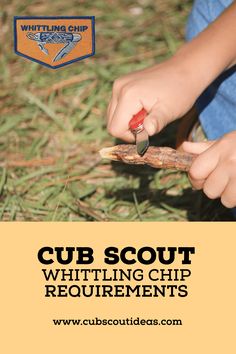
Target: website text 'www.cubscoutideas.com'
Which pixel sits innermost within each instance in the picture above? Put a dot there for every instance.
(137, 321)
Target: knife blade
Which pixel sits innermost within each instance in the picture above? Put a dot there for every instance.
(70, 44)
(137, 128)
(64, 51)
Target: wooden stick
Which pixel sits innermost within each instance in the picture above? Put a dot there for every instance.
(157, 157)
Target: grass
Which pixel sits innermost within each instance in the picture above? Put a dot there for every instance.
(52, 122)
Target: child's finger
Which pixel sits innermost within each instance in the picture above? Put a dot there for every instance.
(197, 183)
(112, 106)
(216, 183)
(155, 121)
(111, 109)
(118, 126)
(205, 164)
(228, 198)
(118, 86)
(197, 148)
(108, 111)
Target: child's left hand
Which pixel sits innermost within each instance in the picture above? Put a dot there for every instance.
(214, 170)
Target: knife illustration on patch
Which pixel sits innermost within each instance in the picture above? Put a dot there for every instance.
(137, 128)
(69, 39)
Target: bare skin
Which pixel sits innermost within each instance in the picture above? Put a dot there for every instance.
(214, 170)
(168, 90)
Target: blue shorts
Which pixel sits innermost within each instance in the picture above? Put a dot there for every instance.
(217, 105)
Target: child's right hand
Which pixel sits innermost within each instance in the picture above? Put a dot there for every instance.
(166, 91)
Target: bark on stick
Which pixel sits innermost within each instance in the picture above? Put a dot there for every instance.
(157, 157)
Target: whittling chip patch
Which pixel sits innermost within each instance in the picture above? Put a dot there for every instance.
(54, 41)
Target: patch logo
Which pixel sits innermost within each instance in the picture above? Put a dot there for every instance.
(54, 41)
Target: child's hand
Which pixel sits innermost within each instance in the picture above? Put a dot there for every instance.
(165, 91)
(214, 170)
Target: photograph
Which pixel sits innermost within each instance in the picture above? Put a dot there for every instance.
(117, 110)
(117, 176)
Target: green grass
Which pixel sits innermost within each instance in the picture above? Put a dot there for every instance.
(64, 129)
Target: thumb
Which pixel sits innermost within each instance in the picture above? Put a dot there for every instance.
(155, 121)
(197, 148)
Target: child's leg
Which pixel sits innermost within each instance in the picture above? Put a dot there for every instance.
(217, 105)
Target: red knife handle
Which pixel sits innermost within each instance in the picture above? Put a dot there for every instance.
(137, 119)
